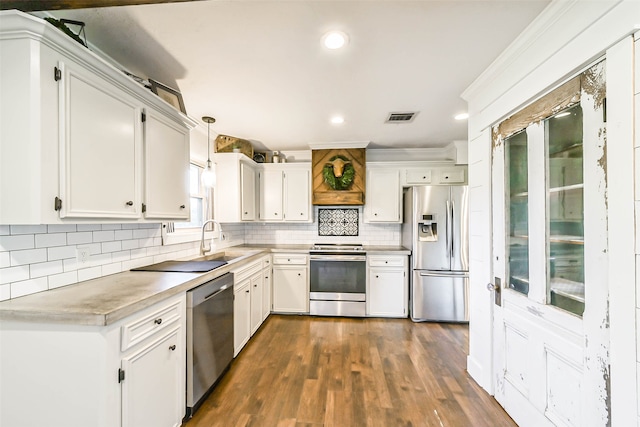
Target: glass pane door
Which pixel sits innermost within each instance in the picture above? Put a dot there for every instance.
(518, 205)
(565, 219)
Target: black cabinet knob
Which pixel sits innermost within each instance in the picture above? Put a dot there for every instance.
(172, 348)
(158, 321)
(182, 206)
(129, 203)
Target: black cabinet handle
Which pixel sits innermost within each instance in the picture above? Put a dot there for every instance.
(182, 206)
(129, 203)
(158, 321)
(247, 291)
(172, 347)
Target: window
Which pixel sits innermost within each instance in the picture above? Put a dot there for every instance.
(518, 205)
(198, 200)
(545, 188)
(199, 210)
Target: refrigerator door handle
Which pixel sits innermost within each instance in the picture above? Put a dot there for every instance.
(452, 239)
(444, 274)
(449, 226)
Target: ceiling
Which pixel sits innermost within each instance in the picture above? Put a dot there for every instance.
(259, 67)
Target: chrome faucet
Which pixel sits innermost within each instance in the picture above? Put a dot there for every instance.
(203, 249)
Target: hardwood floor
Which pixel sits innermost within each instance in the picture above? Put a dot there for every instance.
(341, 372)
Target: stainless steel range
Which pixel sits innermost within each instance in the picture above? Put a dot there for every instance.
(338, 280)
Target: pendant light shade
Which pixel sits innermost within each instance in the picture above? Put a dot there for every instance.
(208, 177)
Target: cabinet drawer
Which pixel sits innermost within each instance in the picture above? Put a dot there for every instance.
(298, 259)
(386, 261)
(454, 176)
(141, 328)
(246, 271)
(266, 262)
(418, 176)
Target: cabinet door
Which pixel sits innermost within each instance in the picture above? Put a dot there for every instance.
(290, 289)
(384, 196)
(297, 196)
(100, 148)
(271, 195)
(266, 293)
(256, 301)
(248, 190)
(166, 156)
(241, 316)
(152, 392)
(387, 292)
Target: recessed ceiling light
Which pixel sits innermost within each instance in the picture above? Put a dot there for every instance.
(334, 39)
(337, 120)
(461, 116)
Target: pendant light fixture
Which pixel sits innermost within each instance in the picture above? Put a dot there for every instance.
(209, 174)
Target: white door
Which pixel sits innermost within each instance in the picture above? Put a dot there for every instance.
(290, 290)
(297, 195)
(550, 347)
(387, 292)
(152, 390)
(248, 189)
(271, 195)
(384, 196)
(100, 148)
(166, 164)
(257, 287)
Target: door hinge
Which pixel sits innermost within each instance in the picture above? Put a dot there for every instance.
(120, 375)
(57, 204)
(143, 117)
(144, 207)
(57, 74)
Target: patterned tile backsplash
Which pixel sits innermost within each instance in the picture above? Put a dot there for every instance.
(337, 222)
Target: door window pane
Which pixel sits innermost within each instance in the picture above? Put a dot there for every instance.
(565, 220)
(518, 205)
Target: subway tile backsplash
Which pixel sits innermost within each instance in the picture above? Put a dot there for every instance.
(36, 258)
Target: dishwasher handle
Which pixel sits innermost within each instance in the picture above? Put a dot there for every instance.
(219, 291)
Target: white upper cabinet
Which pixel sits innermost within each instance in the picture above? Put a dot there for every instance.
(384, 196)
(271, 197)
(285, 192)
(100, 147)
(166, 161)
(248, 188)
(297, 195)
(72, 137)
(235, 192)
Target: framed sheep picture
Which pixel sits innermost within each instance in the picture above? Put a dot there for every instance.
(338, 176)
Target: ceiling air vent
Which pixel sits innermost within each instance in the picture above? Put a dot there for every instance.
(401, 117)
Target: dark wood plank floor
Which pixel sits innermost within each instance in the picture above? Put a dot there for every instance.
(340, 372)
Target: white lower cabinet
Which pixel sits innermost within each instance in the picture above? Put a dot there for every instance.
(241, 315)
(387, 286)
(151, 390)
(130, 373)
(266, 289)
(257, 288)
(290, 283)
(251, 290)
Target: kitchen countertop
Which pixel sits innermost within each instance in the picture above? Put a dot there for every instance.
(105, 300)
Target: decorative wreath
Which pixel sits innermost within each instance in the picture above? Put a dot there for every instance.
(343, 182)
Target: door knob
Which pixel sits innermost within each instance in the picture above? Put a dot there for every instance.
(491, 287)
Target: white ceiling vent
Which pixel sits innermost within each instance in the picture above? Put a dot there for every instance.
(401, 117)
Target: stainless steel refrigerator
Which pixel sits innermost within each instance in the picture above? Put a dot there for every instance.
(436, 229)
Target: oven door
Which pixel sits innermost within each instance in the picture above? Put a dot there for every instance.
(338, 277)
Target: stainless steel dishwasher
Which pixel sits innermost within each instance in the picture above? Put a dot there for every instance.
(209, 337)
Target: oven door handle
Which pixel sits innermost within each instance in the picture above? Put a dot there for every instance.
(337, 258)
